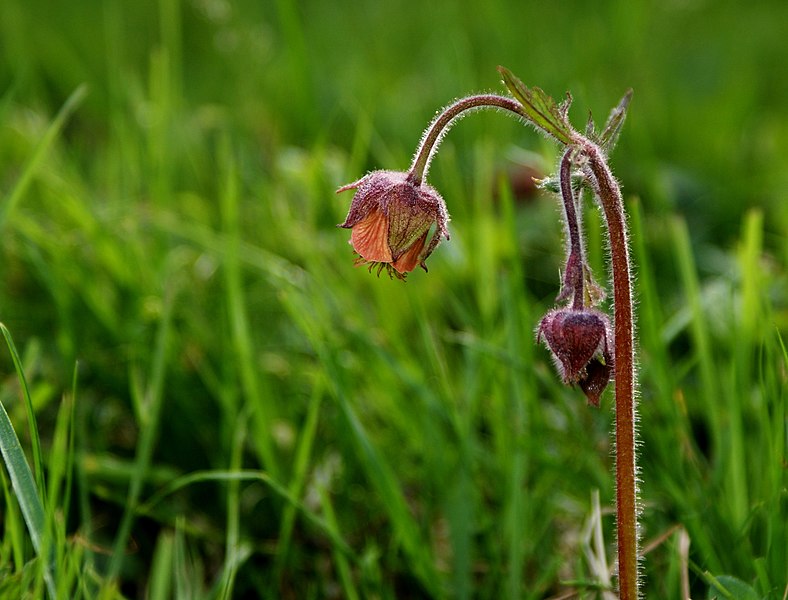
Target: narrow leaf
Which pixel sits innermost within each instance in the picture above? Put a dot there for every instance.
(23, 483)
(31, 414)
(21, 479)
(590, 127)
(35, 161)
(540, 108)
(609, 135)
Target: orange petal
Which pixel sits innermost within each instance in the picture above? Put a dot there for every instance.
(410, 259)
(369, 237)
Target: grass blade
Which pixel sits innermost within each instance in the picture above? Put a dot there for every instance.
(160, 584)
(235, 551)
(21, 476)
(148, 430)
(31, 415)
(299, 477)
(228, 476)
(252, 382)
(34, 162)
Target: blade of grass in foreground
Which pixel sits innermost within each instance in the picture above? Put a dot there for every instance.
(31, 415)
(22, 477)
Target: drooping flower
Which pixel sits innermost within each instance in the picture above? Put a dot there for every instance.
(579, 340)
(390, 219)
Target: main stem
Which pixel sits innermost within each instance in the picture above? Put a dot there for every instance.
(626, 470)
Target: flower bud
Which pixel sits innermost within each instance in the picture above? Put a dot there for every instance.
(579, 340)
(390, 218)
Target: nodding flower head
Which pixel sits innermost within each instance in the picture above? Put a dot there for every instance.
(579, 340)
(390, 219)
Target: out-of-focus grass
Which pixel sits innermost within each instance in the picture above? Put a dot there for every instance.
(252, 415)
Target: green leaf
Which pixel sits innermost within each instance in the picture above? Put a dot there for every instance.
(609, 135)
(540, 108)
(726, 586)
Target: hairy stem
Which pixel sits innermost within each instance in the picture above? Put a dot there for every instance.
(609, 194)
(440, 125)
(574, 275)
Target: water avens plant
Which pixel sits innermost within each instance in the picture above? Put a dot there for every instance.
(393, 213)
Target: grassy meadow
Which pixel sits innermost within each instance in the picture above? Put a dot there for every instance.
(214, 403)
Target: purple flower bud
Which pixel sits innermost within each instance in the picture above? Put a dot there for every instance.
(579, 340)
(390, 218)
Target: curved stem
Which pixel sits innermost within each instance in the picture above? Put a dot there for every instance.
(626, 471)
(441, 124)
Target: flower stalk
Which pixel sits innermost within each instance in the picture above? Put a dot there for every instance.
(442, 123)
(573, 274)
(390, 219)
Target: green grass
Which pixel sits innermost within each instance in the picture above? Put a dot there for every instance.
(215, 404)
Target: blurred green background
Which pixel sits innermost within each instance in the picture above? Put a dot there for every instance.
(167, 213)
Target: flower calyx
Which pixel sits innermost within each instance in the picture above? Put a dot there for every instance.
(390, 219)
(580, 342)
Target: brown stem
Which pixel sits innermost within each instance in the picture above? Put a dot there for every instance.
(440, 125)
(575, 263)
(626, 471)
